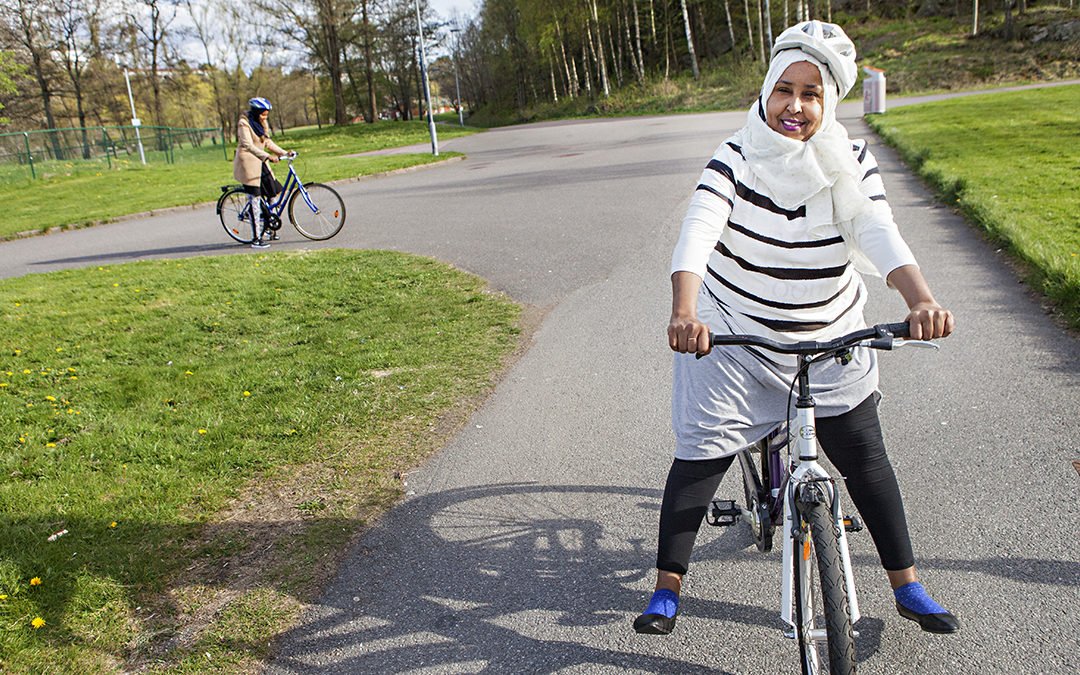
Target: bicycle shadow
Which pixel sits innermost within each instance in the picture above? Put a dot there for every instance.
(169, 251)
(507, 578)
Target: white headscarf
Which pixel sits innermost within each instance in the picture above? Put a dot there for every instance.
(796, 172)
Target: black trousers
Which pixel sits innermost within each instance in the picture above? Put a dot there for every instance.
(854, 445)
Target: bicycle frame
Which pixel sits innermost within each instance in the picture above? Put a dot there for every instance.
(292, 184)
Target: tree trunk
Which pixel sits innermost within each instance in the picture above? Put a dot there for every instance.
(585, 67)
(635, 61)
(749, 28)
(637, 36)
(600, 51)
(554, 87)
(652, 21)
(760, 32)
(668, 49)
(371, 114)
(574, 75)
(730, 28)
(690, 40)
(571, 81)
(616, 57)
(768, 27)
(315, 99)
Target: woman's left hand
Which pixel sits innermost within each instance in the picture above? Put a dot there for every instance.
(929, 320)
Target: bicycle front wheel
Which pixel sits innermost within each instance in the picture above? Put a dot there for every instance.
(826, 638)
(319, 214)
(237, 216)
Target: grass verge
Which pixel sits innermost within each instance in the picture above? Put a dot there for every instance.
(77, 193)
(1008, 162)
(184, 461)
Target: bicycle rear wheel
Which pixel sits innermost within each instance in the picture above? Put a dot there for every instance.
(826, 638)
(756, 491)
(237, 216)
(320, 215)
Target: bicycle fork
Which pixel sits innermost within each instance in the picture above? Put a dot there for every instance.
(807, 471)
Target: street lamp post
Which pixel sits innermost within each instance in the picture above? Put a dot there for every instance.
(134, 118)
(427, 88)
(457, 84)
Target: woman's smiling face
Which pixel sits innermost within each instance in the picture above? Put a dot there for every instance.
(795, 107)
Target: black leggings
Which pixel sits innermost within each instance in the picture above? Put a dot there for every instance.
(854, 445)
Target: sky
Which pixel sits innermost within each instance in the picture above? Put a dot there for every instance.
(446, 8)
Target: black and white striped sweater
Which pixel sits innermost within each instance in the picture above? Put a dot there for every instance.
(771, 272)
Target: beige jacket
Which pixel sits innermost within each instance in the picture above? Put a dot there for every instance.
(251, 152)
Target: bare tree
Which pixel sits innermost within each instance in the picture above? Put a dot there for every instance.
(153, 30)
(322, 27)
(76, 46)
(28, 29)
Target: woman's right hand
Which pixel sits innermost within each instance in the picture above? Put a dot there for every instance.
(687, 335)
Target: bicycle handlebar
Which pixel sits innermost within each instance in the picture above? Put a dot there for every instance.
(876, 337)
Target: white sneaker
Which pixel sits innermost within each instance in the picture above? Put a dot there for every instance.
(260, 244)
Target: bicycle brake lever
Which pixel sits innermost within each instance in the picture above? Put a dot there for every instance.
(897, 344)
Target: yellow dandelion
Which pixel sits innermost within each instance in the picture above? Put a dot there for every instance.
(18, 351)
(3, 384)
(70, 410)
(38, 622)
(74, 377)
(188, 372)
(59, 349)
(50, 445)
(22, 439)
(247, 393)
(71, 370)
(3, 596)
(50, 398)
(18, 304)
(26, 371)
(202, 432)
(115, 285)
(113, 524)
(36, 581)
(9, 373)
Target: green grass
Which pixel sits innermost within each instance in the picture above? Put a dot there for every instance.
(138, 401)
(1009, 161)
(81, 193)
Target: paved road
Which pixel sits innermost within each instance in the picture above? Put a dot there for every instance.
(526, 544)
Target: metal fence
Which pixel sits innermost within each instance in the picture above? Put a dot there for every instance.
(41, 153)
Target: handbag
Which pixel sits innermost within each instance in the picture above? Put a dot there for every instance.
(268, 184)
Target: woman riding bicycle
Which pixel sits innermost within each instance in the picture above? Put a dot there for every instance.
(787, 214)
(253, 150)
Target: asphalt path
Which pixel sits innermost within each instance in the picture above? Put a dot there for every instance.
(526, 544)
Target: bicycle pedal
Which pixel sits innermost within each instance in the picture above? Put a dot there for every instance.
(723, 512)
(852, 524)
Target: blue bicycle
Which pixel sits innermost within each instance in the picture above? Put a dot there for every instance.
(315, 210)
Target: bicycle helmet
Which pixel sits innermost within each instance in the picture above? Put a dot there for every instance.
(826, 42)
(260, 103)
